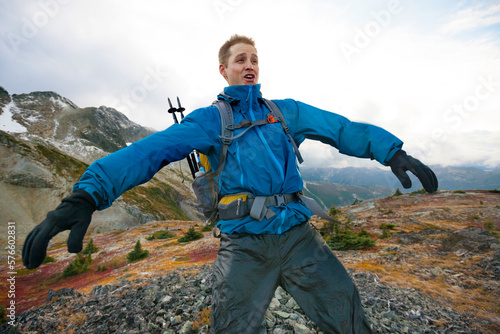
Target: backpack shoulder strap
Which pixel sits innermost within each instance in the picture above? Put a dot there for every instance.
(271, 105)
(227, 128)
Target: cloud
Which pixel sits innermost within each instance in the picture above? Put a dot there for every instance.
(410, 70)
(472, 18)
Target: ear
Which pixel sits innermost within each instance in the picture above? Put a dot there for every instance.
(222, 71)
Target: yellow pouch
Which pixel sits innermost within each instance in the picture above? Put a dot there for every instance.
(231, 198)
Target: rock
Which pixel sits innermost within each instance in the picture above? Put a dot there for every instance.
(292, 304)
(301, 329)
(282, 314)
(275, 304)
(165, 300)
(472, 239)
(180, 301)
(186, 328)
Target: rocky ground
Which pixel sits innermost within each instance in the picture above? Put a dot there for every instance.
(178, 303)
(436, 270)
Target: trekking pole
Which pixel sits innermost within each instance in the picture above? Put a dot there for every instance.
(191, 162)
(180, 108)
(172, 110)
(195, 157)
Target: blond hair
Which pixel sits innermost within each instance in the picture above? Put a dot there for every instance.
(224, 52)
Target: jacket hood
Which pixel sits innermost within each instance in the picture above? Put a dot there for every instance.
(240, 93)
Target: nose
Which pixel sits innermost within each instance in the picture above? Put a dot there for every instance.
(249, 66)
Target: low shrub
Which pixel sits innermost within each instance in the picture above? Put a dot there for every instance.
(191, 235)
(340, 237)
(397, 193)
(138, 253)
(79, 265)
(91, 248)
(48, 259)
(346, 239)
(160, 235)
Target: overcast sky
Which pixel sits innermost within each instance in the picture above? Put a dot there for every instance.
(427, 71)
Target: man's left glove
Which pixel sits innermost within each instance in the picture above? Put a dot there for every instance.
(74, 213)
(401, 162)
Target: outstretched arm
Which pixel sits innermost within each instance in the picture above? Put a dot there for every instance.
(356, 139)
(109, 177)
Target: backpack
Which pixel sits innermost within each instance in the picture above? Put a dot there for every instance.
(237, 206)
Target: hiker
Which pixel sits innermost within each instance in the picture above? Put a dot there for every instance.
(261, 249)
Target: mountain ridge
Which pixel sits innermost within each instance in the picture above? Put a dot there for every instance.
(46, 144)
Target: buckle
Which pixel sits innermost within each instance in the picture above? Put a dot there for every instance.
(226, 140)
(279, 200)
(272, 119)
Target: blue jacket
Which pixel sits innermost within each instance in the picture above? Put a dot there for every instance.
(262, 161)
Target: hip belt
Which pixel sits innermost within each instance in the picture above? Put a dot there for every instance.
(242, 205)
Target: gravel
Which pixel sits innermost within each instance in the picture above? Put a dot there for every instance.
(173, 303)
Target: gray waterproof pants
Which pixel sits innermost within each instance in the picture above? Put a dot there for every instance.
(249, 268)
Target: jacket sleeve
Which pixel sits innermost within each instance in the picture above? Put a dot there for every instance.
(351, 138)
(133, 165)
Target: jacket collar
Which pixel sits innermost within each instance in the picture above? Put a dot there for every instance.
(233, 94)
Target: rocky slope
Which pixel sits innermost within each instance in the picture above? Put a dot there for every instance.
(437, 270)
(46, 142)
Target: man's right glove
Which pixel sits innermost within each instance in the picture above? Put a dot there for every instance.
(74, 213)
(401, 162)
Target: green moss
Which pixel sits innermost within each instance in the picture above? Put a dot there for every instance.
(418, 192)
(156, 200)
(435, 227)
(3, 315)
(385, 226)
(12, 142)
(48, 259)
(63, 164)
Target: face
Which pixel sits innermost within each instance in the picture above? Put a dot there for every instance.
(242, 65)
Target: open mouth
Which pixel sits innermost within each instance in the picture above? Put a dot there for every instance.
(249, 77)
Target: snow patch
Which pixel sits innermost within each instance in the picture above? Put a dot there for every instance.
(58, 102)
(7, 123)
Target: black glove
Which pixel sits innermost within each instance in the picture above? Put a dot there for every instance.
(74, 213)
(401, 162)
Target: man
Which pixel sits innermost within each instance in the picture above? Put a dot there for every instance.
(255, 255)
